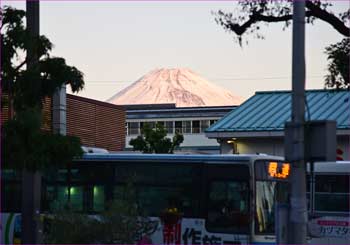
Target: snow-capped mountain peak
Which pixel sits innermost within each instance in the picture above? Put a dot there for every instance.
(181, 86)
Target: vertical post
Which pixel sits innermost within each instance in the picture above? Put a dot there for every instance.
(31, 182)
(298, 210)
(59, 108)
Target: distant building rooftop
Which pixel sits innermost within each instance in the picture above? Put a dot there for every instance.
(149, 106)
(157, 111)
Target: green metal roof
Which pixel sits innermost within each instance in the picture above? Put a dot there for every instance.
(268, 111)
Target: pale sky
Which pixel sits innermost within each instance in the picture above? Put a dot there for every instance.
(114, 43)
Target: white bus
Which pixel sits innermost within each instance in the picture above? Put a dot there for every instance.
(219, 199)
(329, 203)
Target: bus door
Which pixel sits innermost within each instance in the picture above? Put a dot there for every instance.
(227, 202)
(271, 187)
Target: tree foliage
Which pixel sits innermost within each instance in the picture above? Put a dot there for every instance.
(249, 16)
(29, 87)
(338, 56)
(155, 140)
(27, 83)
(27, 146)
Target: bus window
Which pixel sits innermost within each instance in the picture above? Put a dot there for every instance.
(228, 205)
(227, 201)
(161, 186)
(332, 193)
(271, 186)
(98, 202)
(155, 199)
(56, 197)
(267, 193)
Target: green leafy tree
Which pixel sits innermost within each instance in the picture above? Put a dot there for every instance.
(155, 140)
(249, 16)
(338, 56)
(27, 84)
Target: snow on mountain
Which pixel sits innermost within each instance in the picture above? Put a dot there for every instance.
(180, 86)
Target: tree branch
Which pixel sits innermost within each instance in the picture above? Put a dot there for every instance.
(313, 11)
(257, 17)
(329, 18)
(20, 65)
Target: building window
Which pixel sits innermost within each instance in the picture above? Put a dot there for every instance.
(178, 126)
(204, 125)
(212, 122)
(133, 128)
(142, 124)
(169, 126)
(186, 127)
(151, 124)
(195, 127)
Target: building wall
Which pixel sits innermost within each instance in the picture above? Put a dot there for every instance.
(275, 146)
(266, 146)
(97, 124)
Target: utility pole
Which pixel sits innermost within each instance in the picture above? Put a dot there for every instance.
(297, 227)
(31, 182)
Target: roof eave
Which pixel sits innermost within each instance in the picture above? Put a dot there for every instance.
(244, 134)
(254, 134)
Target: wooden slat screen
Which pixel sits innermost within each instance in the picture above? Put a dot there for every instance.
(46, 113)
(96, 123)
(4, 108)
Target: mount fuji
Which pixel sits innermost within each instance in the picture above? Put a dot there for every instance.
(180, 86)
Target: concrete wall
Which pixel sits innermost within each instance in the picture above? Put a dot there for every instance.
(258, 145)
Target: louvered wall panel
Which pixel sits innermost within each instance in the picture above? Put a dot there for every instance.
(81, 120)
(96, 123)
(46, 112)
(4, 108)
(110, 120)
(47, 115)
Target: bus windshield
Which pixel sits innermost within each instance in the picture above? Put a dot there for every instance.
(271, 186)
(267, 194)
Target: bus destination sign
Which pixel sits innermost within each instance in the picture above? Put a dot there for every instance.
(278, 170)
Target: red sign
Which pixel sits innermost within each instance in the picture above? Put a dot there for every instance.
(333, 223)
(172, 233)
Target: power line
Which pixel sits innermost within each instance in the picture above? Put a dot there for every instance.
(261, 78)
